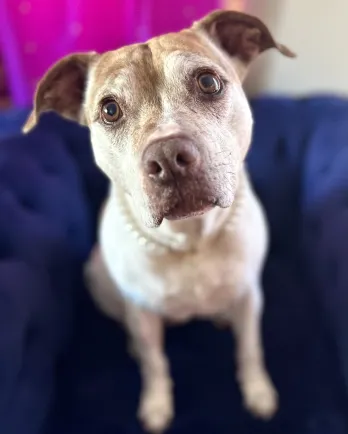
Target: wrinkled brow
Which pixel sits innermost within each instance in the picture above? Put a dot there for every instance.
(117, 84)
(187, 62)
(127, 85)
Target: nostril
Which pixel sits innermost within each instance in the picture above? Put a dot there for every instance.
(154, 168)
(181, 160)
(184, 159)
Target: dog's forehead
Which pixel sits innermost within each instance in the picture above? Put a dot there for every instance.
(154, 58)
(187, 41)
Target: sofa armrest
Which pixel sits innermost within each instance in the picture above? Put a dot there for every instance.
(44, 239)
(325, 227)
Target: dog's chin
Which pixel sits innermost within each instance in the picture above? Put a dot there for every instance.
(178, 213)
(184, 210)
(181, 210)
(225, 201)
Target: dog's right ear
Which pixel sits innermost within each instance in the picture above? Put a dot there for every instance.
(243, 37)
(62, 89)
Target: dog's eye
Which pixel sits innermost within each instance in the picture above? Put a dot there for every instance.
(209, 83)
(110, 111)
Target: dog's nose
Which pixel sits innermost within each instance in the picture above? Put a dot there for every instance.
(163, 161)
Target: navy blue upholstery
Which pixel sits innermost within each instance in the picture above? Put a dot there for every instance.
(64, 367)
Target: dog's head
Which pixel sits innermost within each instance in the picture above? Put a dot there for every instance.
(169, 120)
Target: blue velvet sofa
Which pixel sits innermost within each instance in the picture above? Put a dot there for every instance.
(64, 368)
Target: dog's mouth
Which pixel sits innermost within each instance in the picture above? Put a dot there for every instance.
(184, 203)
(180, 210)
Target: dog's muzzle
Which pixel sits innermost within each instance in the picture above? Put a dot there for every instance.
(179, 179)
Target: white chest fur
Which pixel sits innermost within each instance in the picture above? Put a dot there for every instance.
(180, 285)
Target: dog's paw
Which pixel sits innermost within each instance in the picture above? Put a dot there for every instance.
(260, 397)
(156, 409)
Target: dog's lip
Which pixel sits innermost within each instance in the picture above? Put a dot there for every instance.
(225, 202)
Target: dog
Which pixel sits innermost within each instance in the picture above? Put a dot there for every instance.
(182, 234)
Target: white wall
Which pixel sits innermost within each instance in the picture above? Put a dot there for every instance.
(317, 30)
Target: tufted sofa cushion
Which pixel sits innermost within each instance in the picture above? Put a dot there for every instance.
(283, 131)
(325, 222)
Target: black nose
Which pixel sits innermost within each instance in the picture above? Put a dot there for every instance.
(163, 161)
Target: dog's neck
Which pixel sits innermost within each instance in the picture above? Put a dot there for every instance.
(186, 234)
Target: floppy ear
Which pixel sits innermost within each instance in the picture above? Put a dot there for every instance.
(241, 35)
(62, 89)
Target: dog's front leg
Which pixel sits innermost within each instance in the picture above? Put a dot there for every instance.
(259, 394)
(156, 402)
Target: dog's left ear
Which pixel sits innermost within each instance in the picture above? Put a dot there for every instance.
(62, 89)
(241, 35)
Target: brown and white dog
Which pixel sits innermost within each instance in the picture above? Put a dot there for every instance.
(182, 233)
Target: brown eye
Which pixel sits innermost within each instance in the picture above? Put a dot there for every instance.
(209, 83)
(110, 111)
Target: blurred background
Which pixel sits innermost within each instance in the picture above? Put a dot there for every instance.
(36, 33)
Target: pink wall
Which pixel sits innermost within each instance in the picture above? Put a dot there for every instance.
(36, 33)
